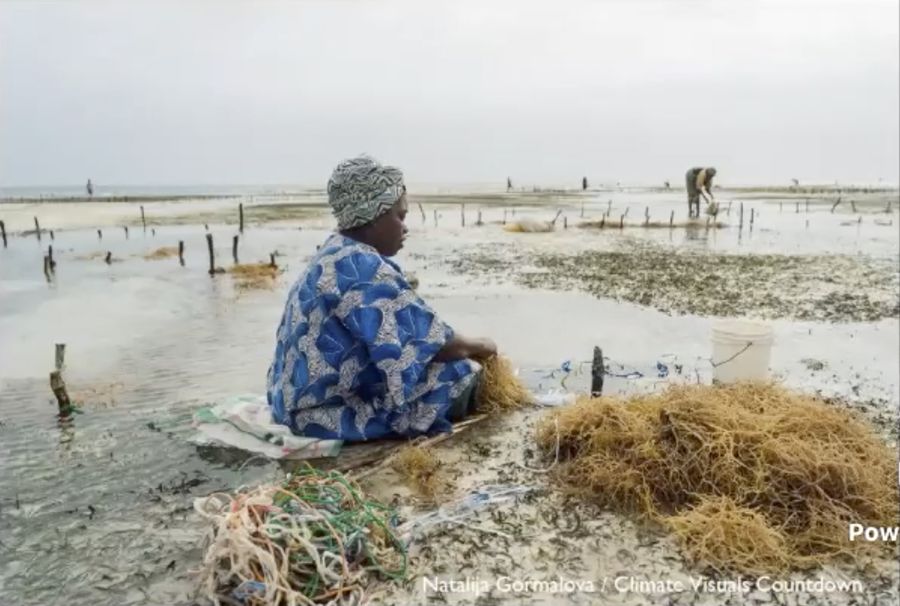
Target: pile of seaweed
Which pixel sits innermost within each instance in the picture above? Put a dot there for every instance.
(254, 275)
(500, 389)
(748, 477)
(162, 253)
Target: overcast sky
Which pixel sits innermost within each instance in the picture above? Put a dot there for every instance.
(153, 93)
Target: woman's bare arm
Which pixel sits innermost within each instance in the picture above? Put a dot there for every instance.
(460, 347)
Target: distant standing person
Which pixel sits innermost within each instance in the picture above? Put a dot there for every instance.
(90, 189)
(508, 184)
(584, 183)
(699, 183)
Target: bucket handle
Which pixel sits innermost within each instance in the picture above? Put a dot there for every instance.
(717, 364)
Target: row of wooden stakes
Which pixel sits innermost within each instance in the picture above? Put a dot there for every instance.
(38, 231)
(50, 262)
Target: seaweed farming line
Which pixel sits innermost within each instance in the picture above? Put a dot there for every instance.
(281, 212)
(250, 275)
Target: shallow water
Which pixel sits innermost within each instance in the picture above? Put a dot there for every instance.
(98, 510)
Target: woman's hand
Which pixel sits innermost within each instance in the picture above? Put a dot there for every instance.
(460, 347)
(481, 349)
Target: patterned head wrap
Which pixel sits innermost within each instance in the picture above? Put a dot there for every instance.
(360, 190)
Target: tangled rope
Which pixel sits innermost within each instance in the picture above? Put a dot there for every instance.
(314, 539)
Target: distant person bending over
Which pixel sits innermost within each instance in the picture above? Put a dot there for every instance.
(359, 355)
(699, 183)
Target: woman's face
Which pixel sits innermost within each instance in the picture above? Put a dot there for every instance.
(389, 230)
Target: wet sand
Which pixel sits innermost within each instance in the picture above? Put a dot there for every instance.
(98, 511)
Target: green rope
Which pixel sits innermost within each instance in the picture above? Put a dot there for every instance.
(357, 521)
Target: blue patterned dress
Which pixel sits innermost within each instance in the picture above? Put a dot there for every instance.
(355, 351)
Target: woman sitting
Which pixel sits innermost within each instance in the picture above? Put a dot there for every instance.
(359, 356)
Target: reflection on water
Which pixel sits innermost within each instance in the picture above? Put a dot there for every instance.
(97, 506)
(697, 233)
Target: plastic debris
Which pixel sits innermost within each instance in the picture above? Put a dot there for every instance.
(554, 398)
(454, 513)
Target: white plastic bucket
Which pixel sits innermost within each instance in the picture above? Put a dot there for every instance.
(742, 350)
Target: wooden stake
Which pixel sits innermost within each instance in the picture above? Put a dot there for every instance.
(181, 252)
(622, 222)
(602, 221)
(126, 232)
(565, 223)
(833, 206)
(240, 218)
(859, 221)
(797, 207)
(752, 215)
(108, 257)
(37, 228)
(435, 217)
(234, 247)
(807, 205)
(3, 233)
(672, 219)
(597, 372)
(206, 227)
(741, 221)
(152, 231)
(781, 207)
(272, 260)
(212, 255)
(50, 257)
(853, 205)
(60, 356)
(462, 214)
(58, 386)
(479, 219)
(422, 211)
(52, 235)
(646, 216)
(143, 219)
(504, 216)
(887, 210)
(609, 207)
(582, 210)
(47, 267)
(99, 234)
